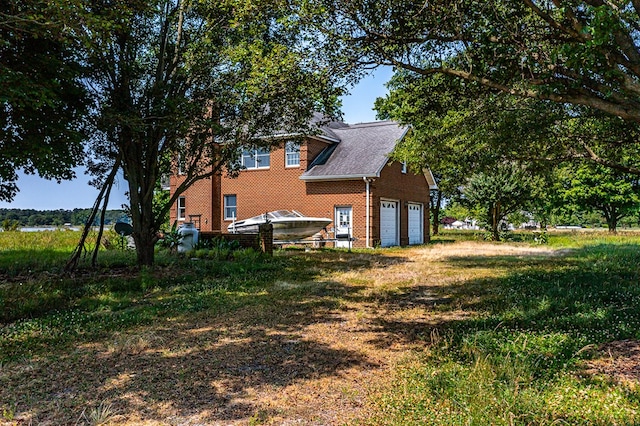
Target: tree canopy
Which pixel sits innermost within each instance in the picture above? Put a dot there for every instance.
(578, 52)
(582, 55)
(43, 101)
(505, 191)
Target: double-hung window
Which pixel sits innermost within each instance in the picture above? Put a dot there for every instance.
(230, 207)
(182, 208)
(292, 154)
(256, 158)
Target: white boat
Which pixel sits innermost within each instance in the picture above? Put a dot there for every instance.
(287, 225)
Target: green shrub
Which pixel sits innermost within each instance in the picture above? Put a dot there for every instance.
(170, 238)
(215, 248)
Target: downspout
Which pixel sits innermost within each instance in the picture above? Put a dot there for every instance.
(368, 208)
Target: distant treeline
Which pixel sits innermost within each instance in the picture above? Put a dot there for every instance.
(28, 217)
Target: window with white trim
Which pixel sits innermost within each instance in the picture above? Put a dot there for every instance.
(256, 158)
(182, 208)
(292, 154)
(230, 207)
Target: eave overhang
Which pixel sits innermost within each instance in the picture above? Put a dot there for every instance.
(338, 177)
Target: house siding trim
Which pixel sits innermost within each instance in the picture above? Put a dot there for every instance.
(324, 138)
(338, 177)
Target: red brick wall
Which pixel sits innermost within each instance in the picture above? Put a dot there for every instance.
(310, 150)
(200, 200)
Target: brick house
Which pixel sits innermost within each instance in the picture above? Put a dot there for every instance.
(343, 173)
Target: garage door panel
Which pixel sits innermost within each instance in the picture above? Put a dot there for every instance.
(388, 223)
(415, 222)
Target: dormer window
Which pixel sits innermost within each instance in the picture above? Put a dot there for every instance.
(292, 154)
(256, 158)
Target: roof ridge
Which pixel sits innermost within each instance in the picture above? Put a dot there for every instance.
(371, 124)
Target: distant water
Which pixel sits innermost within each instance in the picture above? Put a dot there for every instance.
(49, 228)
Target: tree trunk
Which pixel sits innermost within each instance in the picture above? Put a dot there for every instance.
(611, 216)
(141, 176)
(144, 231)
(436, 212)
(145, 248)
(494, 222)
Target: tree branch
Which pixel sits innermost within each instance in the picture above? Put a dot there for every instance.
(626, 111)
(595, 158)
(573, 32)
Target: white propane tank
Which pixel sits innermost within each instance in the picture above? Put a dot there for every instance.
(189, 234)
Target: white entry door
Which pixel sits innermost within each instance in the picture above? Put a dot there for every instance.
(344, 225)
(416, 234)
(388, 223)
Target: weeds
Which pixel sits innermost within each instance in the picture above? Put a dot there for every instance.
(100, 415)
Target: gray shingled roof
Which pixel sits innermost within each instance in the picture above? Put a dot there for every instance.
(326, 126)
(362, 151)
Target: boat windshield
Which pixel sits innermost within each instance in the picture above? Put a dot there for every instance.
(283, 213)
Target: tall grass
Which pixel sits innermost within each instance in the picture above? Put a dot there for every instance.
(35, 251)
(58, 240)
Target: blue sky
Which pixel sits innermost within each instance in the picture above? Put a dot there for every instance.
(41, 194)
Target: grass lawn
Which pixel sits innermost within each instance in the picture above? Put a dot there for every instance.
(455, 332)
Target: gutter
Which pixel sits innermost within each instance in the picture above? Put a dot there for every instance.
(339, 177)
(324, 138)
(368, 211)
(279, 136)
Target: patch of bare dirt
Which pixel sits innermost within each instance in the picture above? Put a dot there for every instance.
(479, 248)
(619, 361)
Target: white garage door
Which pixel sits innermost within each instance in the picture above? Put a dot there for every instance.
(388, 223)
(415, 224)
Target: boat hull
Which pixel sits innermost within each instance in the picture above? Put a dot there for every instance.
(284, 229)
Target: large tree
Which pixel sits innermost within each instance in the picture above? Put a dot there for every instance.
(187, 82)
(508, 189)
(609, 192)
(580, 53)
(43, 101)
